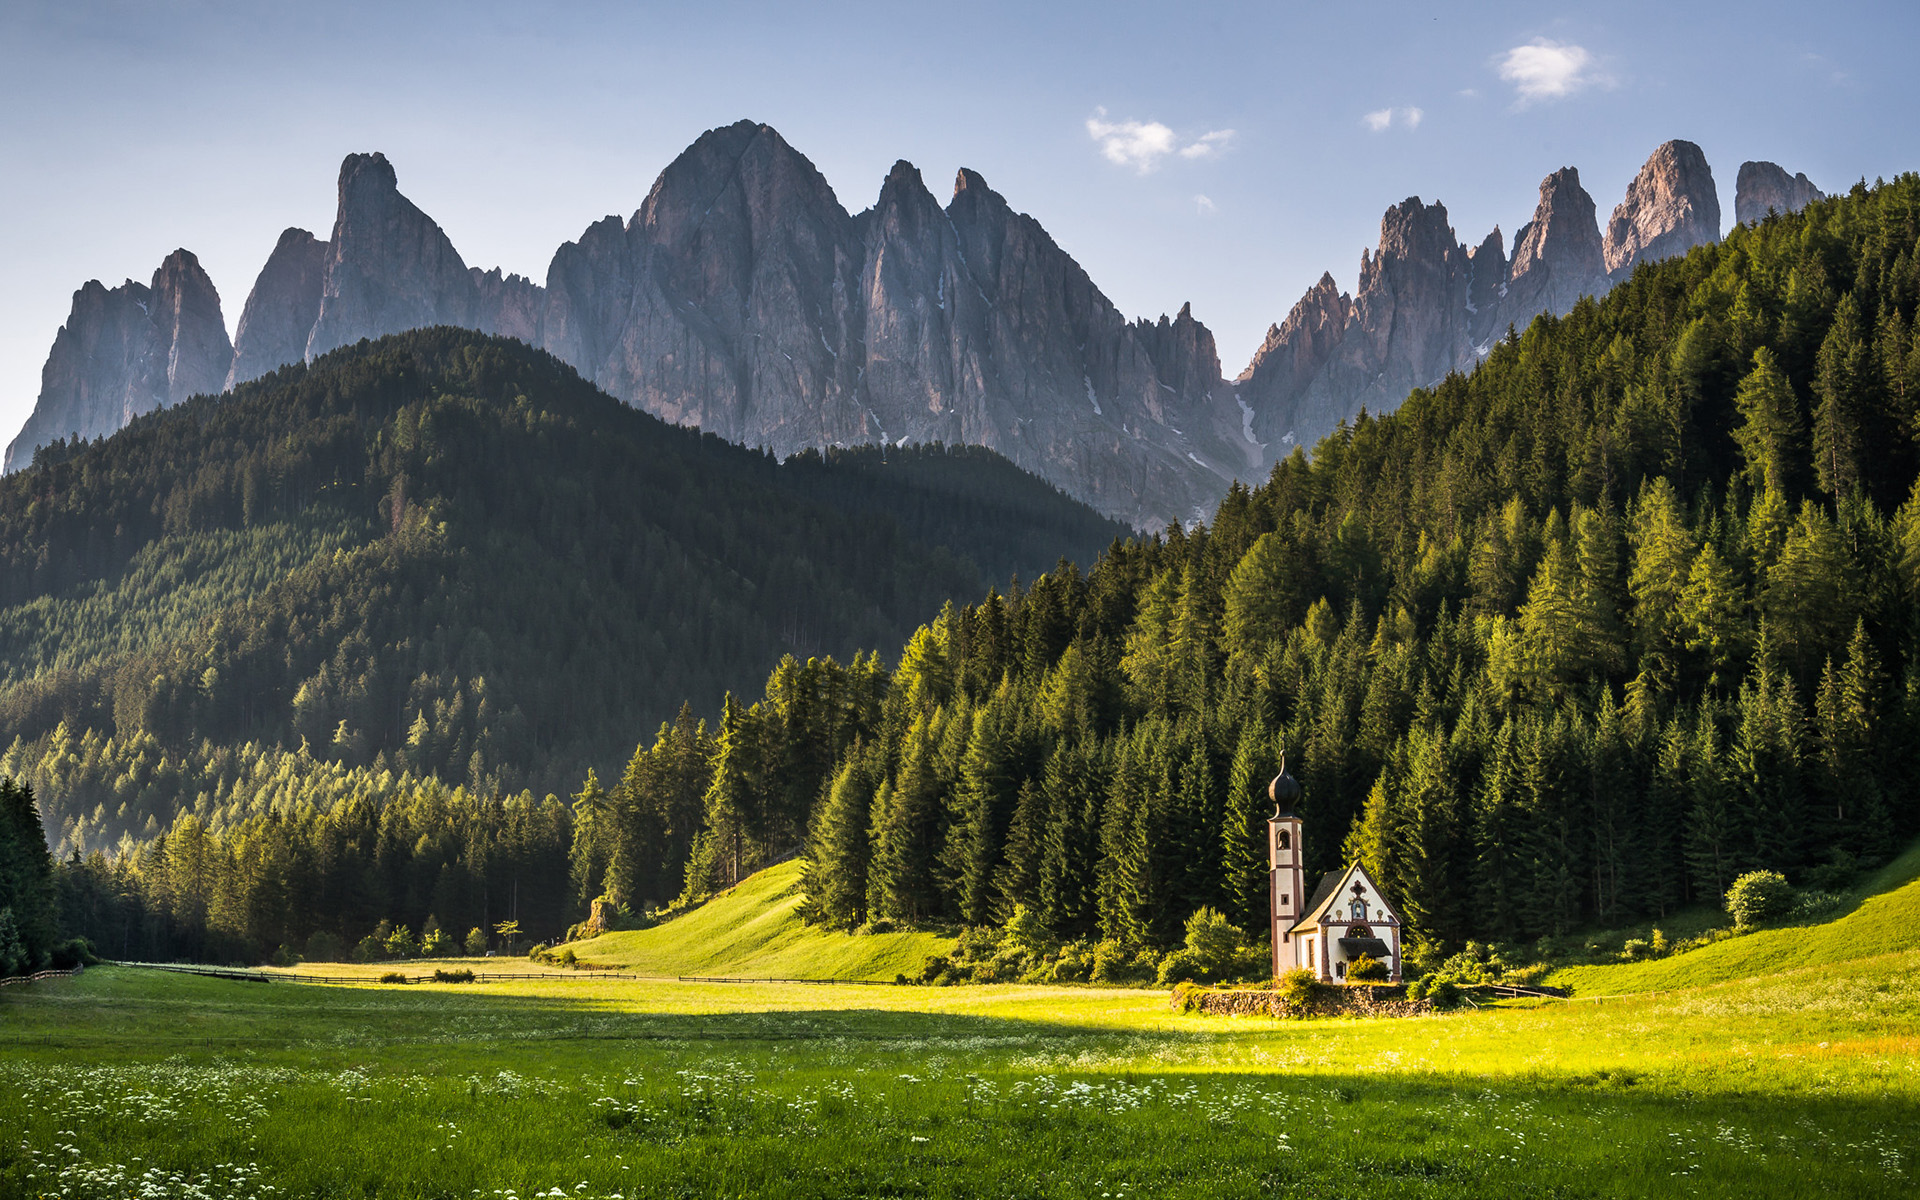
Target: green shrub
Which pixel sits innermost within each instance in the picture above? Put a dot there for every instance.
(463, 975)
(476, 942)
(1440, 990)
(568, 959)
(1817, 904)
(436, 944)
(393, 977)
(1186, 997)
(1758, 897)
(74, 952)
(325, 947)
(1367, 969)
(1074, 964)
(537, 952)
(1636, 949)
(1299, 990)
(1179, 966)
(1027, 933)
(935, 966)
(1531, 975)
(1212, 942)
(400, 944)
(370, 949)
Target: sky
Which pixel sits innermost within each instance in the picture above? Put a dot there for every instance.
(1219, 154)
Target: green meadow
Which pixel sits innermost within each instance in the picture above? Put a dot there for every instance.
(127, 1082)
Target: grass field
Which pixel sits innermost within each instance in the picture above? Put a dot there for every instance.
(1778, 1064)
(136, 1083)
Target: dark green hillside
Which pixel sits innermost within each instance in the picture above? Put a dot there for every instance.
(444, 554)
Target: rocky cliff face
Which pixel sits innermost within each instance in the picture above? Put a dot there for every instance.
(743, 297)
(1288, 360)
(1427, 305)
(127, 351)
(1557, 256)
(280, 312)
(1671, 207)
(388, 266)
(1764, 187)
(1408, 326)
(1486, 288)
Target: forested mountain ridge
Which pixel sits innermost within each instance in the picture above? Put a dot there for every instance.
(1574, 639)
(444, 555)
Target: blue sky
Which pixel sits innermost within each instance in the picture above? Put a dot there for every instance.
(1223, 154)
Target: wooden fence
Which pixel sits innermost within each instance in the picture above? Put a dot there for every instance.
(69, 973)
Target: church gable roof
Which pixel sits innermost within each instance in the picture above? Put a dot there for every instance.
(1332, 887)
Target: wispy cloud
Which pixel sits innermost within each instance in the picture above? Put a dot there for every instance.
(1386, 118)
(1143, 144)
(1210, 144)
(1203, 205)
(1544, 70)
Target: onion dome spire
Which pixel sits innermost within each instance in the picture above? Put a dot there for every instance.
(1284, 791)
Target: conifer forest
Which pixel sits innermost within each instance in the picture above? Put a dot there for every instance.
(1571, 641)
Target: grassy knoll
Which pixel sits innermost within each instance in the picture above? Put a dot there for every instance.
(127, 1082)
(754, 930)
(1883, 917)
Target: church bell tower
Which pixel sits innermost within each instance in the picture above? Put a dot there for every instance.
(1285, 856)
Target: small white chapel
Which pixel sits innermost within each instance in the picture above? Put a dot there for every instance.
(1346, 916)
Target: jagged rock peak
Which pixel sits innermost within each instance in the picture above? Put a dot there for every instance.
(369, 170)
(1670, 207)
(127, 351)
(1764, 187)
(281, 309)
(1558, 256)
(186, 315)
(1290, 357)
(389, 266)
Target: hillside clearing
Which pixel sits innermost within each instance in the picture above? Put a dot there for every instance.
(1883, 918)
(754, 930)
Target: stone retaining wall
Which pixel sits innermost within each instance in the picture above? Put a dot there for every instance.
(1330, 1000)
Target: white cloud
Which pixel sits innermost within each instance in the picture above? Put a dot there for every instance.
(1210, 145)
(1386, 118)
(1544, 70)
(1203, 205)
(1143, 144)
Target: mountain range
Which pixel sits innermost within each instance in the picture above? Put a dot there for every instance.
(742, 297)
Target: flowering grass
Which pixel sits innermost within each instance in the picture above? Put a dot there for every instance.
(129, 1083)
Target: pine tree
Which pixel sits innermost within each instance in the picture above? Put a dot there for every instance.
(1246, 881)
(1771, 427)
(1842, 381)
(840, 846)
